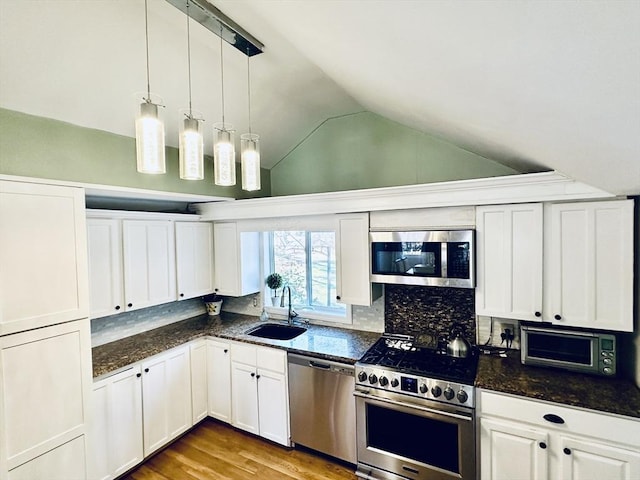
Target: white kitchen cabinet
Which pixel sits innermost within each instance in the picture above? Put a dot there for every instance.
(237, 260)
(509, 241)
(260, 400)
(116, 430)
(149, 262)
(198, 351)
(106, 286)
(194, 259)
(166, 397)
(529, 439)
(219, 380)
(45, 380)
(43, 256)
(353, 259)
(589, 264)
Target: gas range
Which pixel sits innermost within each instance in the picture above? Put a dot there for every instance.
(395, 363)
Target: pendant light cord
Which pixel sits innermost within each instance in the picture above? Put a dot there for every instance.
(222, 77)
(249, 88)
(146, 36)
(189, 56)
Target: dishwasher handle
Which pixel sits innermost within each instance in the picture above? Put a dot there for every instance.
(323, 366)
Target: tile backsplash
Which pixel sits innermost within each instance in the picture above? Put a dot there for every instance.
(429, 312)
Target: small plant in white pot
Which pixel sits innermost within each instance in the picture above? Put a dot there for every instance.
(213, 302)
(274, 282)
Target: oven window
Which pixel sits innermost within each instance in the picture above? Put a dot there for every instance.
(555, 347)
(432, 442)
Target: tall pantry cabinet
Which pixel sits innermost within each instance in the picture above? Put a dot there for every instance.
(45, 345)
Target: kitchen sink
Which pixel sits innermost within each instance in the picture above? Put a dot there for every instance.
(276, 331)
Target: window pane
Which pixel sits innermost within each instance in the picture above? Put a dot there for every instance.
(323, 269)
(289, 258)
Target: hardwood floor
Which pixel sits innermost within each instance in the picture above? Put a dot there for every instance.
(217, 451)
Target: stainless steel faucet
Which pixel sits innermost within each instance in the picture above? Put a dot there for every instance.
(291, 314)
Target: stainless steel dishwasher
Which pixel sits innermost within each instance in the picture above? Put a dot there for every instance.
(323, 408)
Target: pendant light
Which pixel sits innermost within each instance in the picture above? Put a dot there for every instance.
(191, 143)
(224, 150)
(250, 147)
(149, 126)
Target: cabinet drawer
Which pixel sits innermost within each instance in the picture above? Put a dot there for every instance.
(578, 422)
(272, 359)
(243, 353)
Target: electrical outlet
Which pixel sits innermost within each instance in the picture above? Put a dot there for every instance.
(507, 335)
(255, 301)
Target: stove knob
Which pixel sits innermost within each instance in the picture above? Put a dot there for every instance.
(395, 383)
(449, 393)
(436, 391)
(462, 396)
(423, 388)
(373, 379)
(362, 376)
(384, 381)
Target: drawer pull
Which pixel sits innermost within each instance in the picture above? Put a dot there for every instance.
(550, 417)
(567, 451)
(543, 445)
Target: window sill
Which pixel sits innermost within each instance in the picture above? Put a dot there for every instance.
(314, 316)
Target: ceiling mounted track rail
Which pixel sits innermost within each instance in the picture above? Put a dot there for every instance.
(214, 20)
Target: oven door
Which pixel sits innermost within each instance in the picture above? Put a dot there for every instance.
(398, 438)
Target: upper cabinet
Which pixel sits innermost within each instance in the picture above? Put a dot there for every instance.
(43, 260)
(353, 260)
(589, 264)
(237, 260)
(567, 263)
(194, 259)
(509, 261)
(106, 292)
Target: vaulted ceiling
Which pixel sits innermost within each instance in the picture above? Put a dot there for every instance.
(533, 84)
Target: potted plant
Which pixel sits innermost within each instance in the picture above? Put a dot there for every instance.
(274, 282)
(213, 302)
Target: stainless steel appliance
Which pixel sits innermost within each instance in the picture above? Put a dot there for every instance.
(323, 415)
(443, 258)
(571, 349)
(415, 412)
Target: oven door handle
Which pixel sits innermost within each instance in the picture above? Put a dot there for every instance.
(360, 394)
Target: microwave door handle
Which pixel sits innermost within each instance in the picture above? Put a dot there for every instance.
(555, 332)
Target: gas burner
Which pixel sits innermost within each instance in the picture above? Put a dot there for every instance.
(399, 344)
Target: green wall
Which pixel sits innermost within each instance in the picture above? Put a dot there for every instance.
(33, 146)
(365, 150)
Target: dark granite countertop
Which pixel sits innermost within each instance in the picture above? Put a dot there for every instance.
(508, 375)
(337, 344)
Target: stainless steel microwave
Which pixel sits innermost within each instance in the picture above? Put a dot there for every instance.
(578, 350)
(442, 258)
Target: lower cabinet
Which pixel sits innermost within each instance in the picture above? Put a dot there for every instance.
(219, 379)
(532, 440)
(166, 397)
(198, 350)
(116, 432)
(259, 391)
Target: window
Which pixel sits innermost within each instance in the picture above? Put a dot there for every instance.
(307, 262)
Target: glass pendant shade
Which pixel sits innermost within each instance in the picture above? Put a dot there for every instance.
(191, 149)
(250, 155)
(150, 138)
(224, 155)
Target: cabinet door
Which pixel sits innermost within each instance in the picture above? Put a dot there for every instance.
(45, 380)
(353, 260)
(244, 397)
(149, 263)
(509, 450)
(509, 261)
(237, 260)
(43, 256)
(589, 261)
(66, 462)
(273, 406)
(194, 259)
(588, 460)
(106, 295)
(166, 398)
(219, 382)
(99, 455)
(199, 394)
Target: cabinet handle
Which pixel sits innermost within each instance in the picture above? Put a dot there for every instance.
(337, 297)
(538, 314)
(129, 304)
(226, 350)
(253, 374)
(117, 307)
(543, 445)
(215, 289)
(138, 375)
(550, 417)
(557, 317)
(567, 451)
(146, 370)
(182, 294)
(257, 376)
